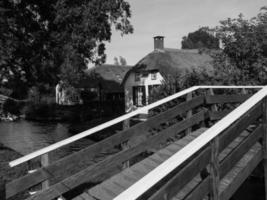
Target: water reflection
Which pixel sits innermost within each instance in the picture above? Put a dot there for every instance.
(26, 137)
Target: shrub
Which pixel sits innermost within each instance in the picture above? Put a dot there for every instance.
(11, 106)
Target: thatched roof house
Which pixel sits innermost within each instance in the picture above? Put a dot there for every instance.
(158, 65)
(172, 61)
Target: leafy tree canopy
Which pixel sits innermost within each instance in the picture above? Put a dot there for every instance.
(42, 41)
(202, 38)
(121, 61)
(244, 56)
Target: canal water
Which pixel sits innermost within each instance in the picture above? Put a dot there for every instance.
(26, 136)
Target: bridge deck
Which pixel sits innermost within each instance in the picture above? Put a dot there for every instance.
(118, 183)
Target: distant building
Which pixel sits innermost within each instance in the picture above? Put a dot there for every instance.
(105, 80)
(101, 83)
(157, 66)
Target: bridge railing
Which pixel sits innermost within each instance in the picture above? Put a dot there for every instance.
(204, 151)
(117, 120)
(64, 167)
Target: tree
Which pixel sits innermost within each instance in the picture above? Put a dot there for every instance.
(200, 39)
(244, 57)
(42, 41)
(121, 61)
(116, 61)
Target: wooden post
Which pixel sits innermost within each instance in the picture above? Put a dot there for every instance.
(244, 91)
(44, 163)
(189, 113)
(124, 146)
(2, 189)
(214, 169)
(213, 107)
(264, 123)
(214, 166)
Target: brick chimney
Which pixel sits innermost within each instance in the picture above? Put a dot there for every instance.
(158, 42)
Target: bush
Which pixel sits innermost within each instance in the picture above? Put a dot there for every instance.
(42, 110)
(11, 106)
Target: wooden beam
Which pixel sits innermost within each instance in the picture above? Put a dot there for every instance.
(201, 190)
(241, 124)
(217, 115)
(236, 98)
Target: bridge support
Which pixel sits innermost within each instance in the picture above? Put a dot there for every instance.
(214, 169)
(45, 163)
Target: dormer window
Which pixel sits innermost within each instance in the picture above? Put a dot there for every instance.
(153, 75)
(137, 76)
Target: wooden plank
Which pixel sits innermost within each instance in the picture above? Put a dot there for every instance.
(80, 160)
(214, 169)
(236, 128)
(229, 162)
(188, 188)
(238, 175)
(232, 145)
(84, 196)
(200, 191)
(104, 168)
(236, 98)
(169, 189)
(217, 115)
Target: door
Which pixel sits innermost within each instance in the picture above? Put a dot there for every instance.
(139, 96)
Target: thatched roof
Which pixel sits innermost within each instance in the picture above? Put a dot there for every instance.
(173, 62)
(106, 75)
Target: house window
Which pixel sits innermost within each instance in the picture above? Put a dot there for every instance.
(153, 75)
(139, 96)
(137, 76)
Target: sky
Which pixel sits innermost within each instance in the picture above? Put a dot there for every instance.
(172, 19)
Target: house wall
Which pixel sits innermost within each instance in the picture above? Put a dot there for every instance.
(144, 81)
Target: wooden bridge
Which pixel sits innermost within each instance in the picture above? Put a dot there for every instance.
(201, 143)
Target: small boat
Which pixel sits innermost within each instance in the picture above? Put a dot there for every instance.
(9, 117)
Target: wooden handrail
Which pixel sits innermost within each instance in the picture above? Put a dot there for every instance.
(98, 128)
(115, 121)
(148, 181)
